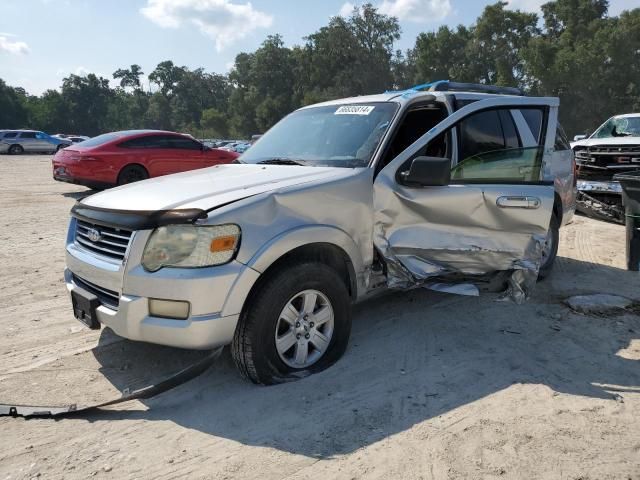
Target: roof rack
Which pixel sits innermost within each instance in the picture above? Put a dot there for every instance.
(449, 86)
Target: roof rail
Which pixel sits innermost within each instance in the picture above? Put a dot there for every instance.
(449, 86)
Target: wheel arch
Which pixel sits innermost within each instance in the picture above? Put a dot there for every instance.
(133, 164)
(327, 245)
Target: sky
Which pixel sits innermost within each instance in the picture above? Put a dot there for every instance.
(43, 41)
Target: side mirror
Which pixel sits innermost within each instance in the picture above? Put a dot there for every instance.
(577, 138)
(429, 172)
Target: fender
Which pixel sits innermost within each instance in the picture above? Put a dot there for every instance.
(286, 242)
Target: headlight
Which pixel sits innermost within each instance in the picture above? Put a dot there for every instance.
(190, 246)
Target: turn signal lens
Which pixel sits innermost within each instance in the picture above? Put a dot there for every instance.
(223, 244)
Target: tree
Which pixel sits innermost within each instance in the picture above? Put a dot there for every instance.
(87, 99)
(166, 75)
(129, 77)
(13, 112)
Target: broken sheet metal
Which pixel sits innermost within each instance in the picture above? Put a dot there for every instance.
(459, 230)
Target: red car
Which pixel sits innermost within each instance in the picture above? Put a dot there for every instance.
(124, 157)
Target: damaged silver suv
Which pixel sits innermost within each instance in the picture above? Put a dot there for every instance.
(454, 187)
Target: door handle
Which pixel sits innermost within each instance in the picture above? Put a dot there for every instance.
(519, 202)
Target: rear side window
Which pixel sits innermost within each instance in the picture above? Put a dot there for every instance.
(10, 135)
(182, 143)
(149, 141)
(562, 142)
(533, 117)
(28, 135)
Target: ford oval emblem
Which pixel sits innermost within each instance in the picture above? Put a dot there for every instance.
(94, 235)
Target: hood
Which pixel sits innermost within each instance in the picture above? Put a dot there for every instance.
(590, 142)
(210, 187)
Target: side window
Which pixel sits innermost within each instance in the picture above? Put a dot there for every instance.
(533, 117)
(511, 138)
(41, 136)
(561, 143)
(183, 143)
(150, 141)
(10, 135)
(491, 151)
(480, 132)
(27, 134)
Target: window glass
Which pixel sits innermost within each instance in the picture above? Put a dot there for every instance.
(331, 135)
(149, 141)
(182, 143)
(511, 138)
(480, 132)
(562, 143)
(514, 165)
(533, 117)
(10, 135)
(41, 136)
(27, 134)
(102, 139)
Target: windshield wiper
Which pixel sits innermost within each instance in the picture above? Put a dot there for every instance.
(281, 161)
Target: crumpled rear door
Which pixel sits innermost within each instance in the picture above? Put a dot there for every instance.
(469, 227)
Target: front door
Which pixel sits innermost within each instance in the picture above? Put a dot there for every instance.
(494, 213)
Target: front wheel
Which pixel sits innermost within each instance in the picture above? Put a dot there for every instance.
(60, 147)
(297, 323)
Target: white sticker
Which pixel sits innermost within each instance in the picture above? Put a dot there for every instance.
(355, 110)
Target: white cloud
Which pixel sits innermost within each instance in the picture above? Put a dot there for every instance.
(615, 6)
(417, 10)
(526, 5)
(225, 22)
(14, 47)
(346, 9)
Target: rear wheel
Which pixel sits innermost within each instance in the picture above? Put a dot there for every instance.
(132, 173)
(16, 149)
(550, 248)
(297, 323)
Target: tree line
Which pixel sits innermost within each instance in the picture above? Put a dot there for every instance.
(575, 50)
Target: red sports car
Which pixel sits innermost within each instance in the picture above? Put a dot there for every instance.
(124, 157)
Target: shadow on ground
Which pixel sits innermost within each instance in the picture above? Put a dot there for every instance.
(412, 356)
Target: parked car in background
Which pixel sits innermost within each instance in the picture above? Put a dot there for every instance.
(445, 186)
(123, 157)
(30, 141)
(613, 148)
(73, 138)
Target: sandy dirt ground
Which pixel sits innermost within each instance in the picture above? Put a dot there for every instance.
(433, 386)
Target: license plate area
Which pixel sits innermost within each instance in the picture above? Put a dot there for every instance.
(85, 305)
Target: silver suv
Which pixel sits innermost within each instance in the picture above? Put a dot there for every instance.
(442, 186)
(30, 141)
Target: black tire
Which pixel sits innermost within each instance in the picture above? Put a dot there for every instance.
(60, 147)
(16, 150)
(254, 348)
(554, 237)
(132, 173)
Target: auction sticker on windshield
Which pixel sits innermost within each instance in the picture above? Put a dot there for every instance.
(355, 110)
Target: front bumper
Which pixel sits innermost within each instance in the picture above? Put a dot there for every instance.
(212, 293)
(594, 186)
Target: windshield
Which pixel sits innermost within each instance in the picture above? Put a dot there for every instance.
(619, 127)
(335, 136)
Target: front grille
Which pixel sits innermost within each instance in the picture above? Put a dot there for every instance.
(106, 241)
(608, 156)
(108, 298)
